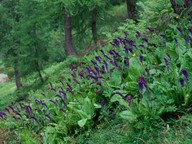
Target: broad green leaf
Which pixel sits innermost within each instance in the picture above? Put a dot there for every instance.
(82, 122)
(120, 100)
(128, 115)
(116, 78)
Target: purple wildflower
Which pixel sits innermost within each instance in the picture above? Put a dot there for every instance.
(106, 65)
(98, 58)
(141, 59)
(180, 30)
(53, 102)
(81, 75)
(48, 116)
(119, 93)
(176, 41)
(145, 39)
(187, 40)
(131, 50)
(126, 50)
(13, 103)
(142, 83)
(181, 80)
(168, 56)
(103, 102)
(7, 110)
(126, 34)
(138, 35)
(128, 99)
(94, 62)
(99, 92)
(185, 73)
(11, 108)
(130, 42)
(34, 118)
(74, 74)
(62, 109)
(127, 61)
(115, 63)
(167, 64)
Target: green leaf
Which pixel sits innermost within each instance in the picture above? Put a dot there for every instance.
(116, 78)
(97, 106)
(128, 115)
(179, 2)
(120, 100)
(82, 122)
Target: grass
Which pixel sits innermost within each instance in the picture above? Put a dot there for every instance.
(121, 132)
(7, 94)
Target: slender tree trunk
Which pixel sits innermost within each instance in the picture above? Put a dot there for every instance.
(68, 35)
(16, 71)
(94, 25)
(17, 76)
(131, 9)
(39, 71)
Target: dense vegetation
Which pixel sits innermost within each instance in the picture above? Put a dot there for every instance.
(96, 71)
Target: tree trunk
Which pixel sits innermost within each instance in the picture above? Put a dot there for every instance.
(39, 71)
(131, 9)
(17, 76)
(68, 35)
(94, 25)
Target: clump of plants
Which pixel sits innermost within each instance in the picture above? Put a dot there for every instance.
(136, 77)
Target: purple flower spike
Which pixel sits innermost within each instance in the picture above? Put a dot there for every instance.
(126, 34)
(142, 83)
(176, 41)
(127, 61)
(119, 93)
(182, 83)
(128, 99)
(141, 59)
(138, 35)
(167, 64)
(62, 109)
(180, 30)
(106, 65)
(103, 102)
(98, 58)
(48, 116)
(7, 110)
(53, 102)
(94, 62)
(145, 39)
(99, 92)
(34, 118)
(185, 73)
(168, 56)
(187, 39)
(126, 50)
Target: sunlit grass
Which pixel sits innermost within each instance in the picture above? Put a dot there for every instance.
(7, 94)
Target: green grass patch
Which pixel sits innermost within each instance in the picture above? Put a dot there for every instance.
(7, 94)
